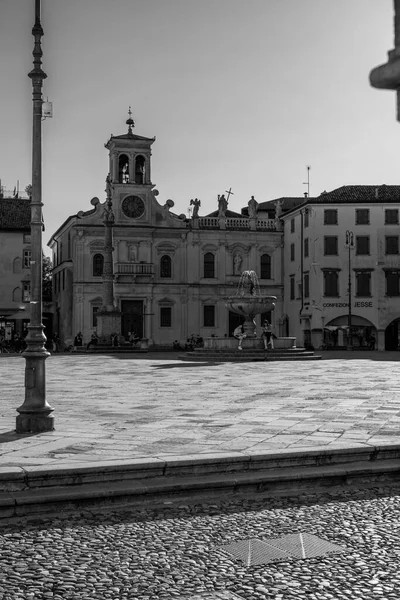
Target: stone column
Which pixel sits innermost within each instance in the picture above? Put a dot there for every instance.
(381, 340)
(108, 317)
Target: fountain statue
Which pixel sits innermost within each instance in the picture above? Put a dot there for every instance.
(249, 302)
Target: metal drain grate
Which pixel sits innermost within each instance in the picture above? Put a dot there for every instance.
(295, 545)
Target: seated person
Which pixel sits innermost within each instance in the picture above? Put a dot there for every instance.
(240, 335)
(78, 340)
(94, 339)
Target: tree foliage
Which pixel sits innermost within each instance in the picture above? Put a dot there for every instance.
(47, 278)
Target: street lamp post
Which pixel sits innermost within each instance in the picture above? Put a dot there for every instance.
(35, 413)
(350, 245)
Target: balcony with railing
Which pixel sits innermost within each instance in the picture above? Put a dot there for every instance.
(235, 223)
(136, 269)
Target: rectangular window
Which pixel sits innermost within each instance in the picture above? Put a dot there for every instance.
(330, 216)
(165, 316)
(209, 316)
(331, 284)
(330, 245)
(392, 244)
(362, 216)
(27, 258)
(363, 284)
(26, 292)
(95, 309)
(391, 216)
(306, 218)
(306, 248)
(292, 287)
(392, 283)
(362, 244)
(292, 252)
(291, 225)
(27, 238)
(306, 285)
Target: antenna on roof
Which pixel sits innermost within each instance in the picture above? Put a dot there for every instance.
(307, 183)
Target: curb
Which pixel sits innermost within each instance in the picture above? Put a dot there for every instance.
(34, 490)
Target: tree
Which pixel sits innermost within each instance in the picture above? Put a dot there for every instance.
(47, 278)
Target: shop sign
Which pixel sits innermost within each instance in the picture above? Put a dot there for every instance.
(346, 304)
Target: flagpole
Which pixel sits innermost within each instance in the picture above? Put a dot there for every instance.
(35, 413)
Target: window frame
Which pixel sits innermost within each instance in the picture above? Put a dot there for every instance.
(166, 317)
(208, 266)
(334, 293)
(26, 258)
(265, 266)
(95, 271)
(360, 293)
(391, 237)
(332, 212)
(306, 247)
(394, 211)
(209, 315)
(331, 237)
(392, 278)
(292, 253)
(362, 237)
(359, 212)
(163, 270)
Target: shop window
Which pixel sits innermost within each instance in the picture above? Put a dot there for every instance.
(98, 265)
(292, 254)
(392, 283)
(209, 315)
(363, 284)
(209, 265)
(392, 244)
(265, 271)
(292, 287)
(330, 245)
(330, 216)
(331, 284)
(362, 216)
(391, 216)
(362, 244)
(306, 247)
(306, 285)
(165, 316)
(292, 226)
(165, 266)
(27, 259)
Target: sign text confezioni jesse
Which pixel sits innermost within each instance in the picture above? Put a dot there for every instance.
(346, 304)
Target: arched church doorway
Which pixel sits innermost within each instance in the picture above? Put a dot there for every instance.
(392, 335)
(362, 335)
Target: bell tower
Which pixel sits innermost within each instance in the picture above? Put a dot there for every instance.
(130, 157)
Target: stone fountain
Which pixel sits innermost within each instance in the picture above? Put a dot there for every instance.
(249, 302)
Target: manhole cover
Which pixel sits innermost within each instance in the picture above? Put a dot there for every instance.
(297, 545)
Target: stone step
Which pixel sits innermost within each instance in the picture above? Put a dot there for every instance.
(249, 355)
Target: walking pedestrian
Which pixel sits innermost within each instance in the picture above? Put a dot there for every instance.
(267, 335)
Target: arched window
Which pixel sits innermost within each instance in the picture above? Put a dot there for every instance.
(165, 266)
(265, 271)
(98, 265)
(17, 265)
(209, 265)
(140, 169)
(123, 169)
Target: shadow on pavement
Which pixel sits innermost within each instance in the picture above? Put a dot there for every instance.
(186, 364)
(12, 436)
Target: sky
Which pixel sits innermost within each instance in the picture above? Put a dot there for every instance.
(240, 95)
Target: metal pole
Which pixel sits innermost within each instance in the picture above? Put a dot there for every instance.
(349, 243)
(34, 414)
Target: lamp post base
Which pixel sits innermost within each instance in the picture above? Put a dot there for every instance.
(34, 423)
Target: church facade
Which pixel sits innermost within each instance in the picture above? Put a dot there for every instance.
(171, 273)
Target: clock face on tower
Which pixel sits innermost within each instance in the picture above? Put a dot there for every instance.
(133, 207)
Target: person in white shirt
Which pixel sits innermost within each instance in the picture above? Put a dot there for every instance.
(240, 335)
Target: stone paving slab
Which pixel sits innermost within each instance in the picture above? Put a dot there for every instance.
(121, 407)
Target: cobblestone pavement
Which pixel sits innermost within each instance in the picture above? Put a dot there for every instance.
(175, 552)
(125, 407)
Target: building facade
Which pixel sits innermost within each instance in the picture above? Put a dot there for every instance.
(171, 273)
(341, 256)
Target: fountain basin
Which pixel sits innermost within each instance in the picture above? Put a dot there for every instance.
(249, 306)
(250, 343)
